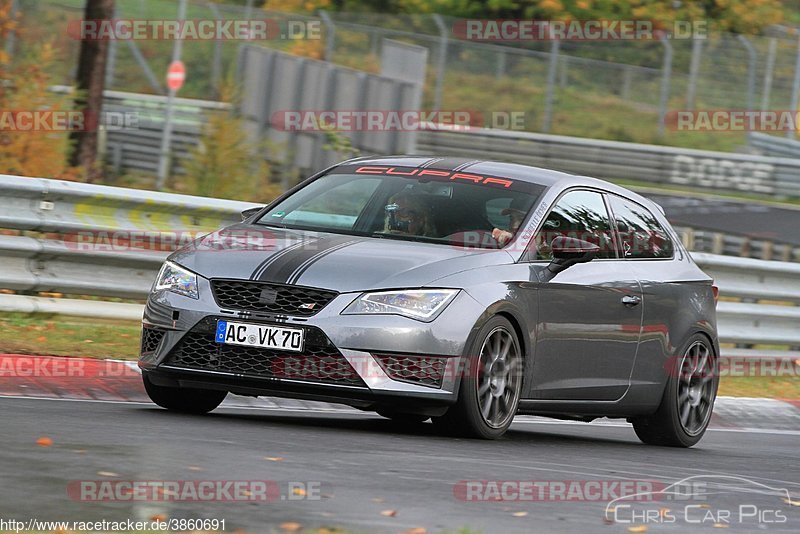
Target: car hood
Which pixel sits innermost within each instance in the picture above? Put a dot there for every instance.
(332, 261)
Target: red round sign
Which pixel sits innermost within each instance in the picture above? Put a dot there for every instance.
(176, 74)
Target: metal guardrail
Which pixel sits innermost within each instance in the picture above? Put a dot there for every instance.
(772, 145)
(616, 160)
(715, 242)
(136, 147)
(35, 263)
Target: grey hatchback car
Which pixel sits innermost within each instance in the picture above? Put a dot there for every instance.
(443, 288)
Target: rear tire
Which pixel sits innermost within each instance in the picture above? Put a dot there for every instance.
(491, 384)
(688, 401)
(183, 400)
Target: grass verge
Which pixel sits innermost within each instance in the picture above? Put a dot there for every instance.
(69, 336)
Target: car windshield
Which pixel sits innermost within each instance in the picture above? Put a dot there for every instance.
(404, 203)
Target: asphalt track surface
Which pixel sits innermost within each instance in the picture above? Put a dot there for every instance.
(367, 465)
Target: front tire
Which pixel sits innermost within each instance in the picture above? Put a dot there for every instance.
(688, 401)
(491, 384)
(183, 400)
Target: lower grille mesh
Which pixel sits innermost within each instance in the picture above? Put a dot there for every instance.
(151, 337)
(320, 361)
(420, 370)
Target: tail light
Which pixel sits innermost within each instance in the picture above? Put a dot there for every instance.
(715, 291)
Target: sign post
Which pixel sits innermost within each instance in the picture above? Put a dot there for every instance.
(176, 74)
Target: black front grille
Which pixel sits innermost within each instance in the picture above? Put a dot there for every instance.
(420, 370)
(274, 298)
(151, 337)
(320, 361)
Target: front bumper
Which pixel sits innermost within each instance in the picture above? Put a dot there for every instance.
(361, 360)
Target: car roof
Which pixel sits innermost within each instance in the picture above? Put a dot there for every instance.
(546, 177)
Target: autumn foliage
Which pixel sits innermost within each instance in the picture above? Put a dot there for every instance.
(738, 16)
(25, 87)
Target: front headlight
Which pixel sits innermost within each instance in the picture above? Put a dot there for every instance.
(175, 278)
(420, 304)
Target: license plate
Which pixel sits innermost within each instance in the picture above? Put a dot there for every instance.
(259, 335)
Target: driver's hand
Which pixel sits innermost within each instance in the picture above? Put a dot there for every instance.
(502, 236)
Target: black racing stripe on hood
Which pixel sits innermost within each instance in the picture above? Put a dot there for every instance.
(273, 258)
(282, 268)
(295, 276)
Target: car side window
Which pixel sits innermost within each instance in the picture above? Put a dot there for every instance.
(578, 214)
(641, 235)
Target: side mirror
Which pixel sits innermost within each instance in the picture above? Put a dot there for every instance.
(567, 251)
(249, 212)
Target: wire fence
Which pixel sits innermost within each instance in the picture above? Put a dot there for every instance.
(619, 90)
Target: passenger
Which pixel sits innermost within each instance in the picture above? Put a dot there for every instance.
(410, 214)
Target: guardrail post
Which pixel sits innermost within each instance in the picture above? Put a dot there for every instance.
(791, 133)
(552, 68)
(500, 70)
(441, 61)
(627, 76)
(666, 78)
(718, 243)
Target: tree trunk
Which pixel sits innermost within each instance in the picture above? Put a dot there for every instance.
(90, 83)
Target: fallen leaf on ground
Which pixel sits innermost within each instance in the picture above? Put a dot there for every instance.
(520, 514)
(107, 474)
(298, 491)
(290, 526)
(273, 458)
(791, 502)
(378, 499)
(158, 517)
(417, 530)
(44, 441)
(389, 513)
(720, 525)
(640, 528)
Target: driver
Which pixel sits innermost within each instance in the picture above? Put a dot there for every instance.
(515, 215)
(409, 214)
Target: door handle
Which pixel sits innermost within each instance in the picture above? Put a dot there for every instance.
(631, 300)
